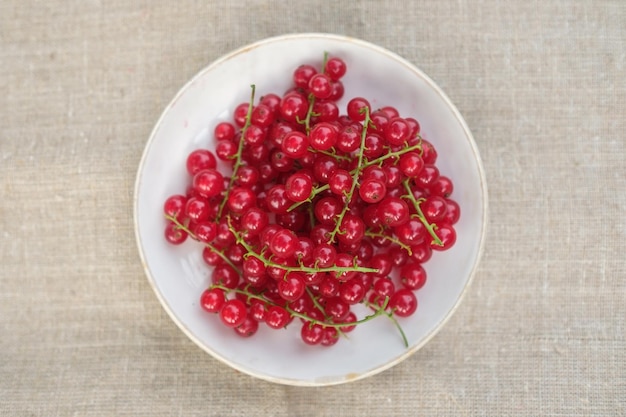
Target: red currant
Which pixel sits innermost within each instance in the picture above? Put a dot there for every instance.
(335, 68)
(403, 303)
(212, 300)
(233, 313)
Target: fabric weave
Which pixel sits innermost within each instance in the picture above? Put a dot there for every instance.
(541, 86)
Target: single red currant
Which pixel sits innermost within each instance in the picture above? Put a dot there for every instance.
(302, 75)
(447, 235)
(212, 300)
(233, 313)
(411, 164)
(262, 115)
(357, 108)
(453, 212)
(323, 136)
(174, 234)
(174, 206)
(277, 317)
(284, 243)
(335, 68)
(434, 208)
(312, 333)
(403, 303)
(248, 328)
(224, 131)
(320, 85)
(208, 183)
(397, 131)
(200, 159)
(413, 276)
(298, 187)
(372, 190)
(292, 286)
(393, 211)
(295, 144)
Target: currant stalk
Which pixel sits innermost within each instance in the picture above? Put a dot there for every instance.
(378, 311)
(379, 160)
(355, 176)
(393, 320)
(370, 233)
(332, 155)
(314, 192)
(311, 270)
(420, 215)
(238, 156)
(194, 237)
(311, 98)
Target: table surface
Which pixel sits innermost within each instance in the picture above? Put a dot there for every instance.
(541, 86)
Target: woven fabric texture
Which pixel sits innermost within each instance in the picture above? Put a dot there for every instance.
(541, 85)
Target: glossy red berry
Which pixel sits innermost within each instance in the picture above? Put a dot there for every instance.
(340, 182)
(200, 159)
(320, 85)
(292, 286)
(413, 276)
(357, 108)
(284, 243)
(174, 234)
(240, 200)
(212, 300)
(263, 115)
(277, 317)
(323, 136)
(411, 164)
(174, 206)
(233, 313)
(303, 74)
(293, 107)
(372, 190)
(205, 231)
(403, 303)
(335, 68)
(298, 187)
(453, 212)
(224, 131)
(393, 211)
(397, 131)
(295, 144)
(208, 183)
(248, 328)
(312, 333)
(447, 235)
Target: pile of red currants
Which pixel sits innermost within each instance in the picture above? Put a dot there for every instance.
(323, 211)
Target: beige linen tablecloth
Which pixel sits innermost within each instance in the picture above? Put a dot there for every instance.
(541, 85)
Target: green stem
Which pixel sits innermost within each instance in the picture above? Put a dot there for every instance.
(309, 113)
(393, 320)
(301, 268)
(194, 237)
(378, 310)
(355, 177)
(416, 147)
(332, 155)
(324, 62)
(391, 239)
(315, 192)
(238, 158)
(420, 215)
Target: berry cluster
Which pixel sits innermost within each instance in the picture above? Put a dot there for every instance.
(322, 211)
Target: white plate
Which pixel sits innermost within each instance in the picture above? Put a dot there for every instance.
(179, 275)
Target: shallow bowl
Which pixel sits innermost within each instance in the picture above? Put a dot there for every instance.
(178, 274)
